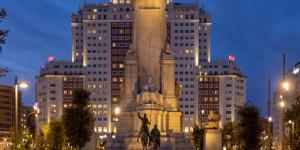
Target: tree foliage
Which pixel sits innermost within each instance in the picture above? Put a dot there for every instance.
(55, 135)
(230, 136)
(41, 141)
(78, 121)
(293, 114)
(198, 137)
(3, 34)
(250, 128)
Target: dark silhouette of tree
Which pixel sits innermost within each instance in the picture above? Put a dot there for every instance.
(78, 121)
(230, 136)
(293, 114)
(3, 34)
(41, 141)
(198, 137)
(55, 135)
(250, 128)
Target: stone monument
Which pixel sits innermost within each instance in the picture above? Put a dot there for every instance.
(149, 86)
(213, 136)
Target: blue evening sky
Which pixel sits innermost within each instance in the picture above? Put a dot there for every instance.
(257, 32)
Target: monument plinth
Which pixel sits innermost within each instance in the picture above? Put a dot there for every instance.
(150, 87)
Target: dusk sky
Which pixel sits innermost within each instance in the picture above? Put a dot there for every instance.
(257, 32)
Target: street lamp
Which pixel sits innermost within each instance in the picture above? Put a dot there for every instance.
(286, 87)
(22, 85)
(117, 110)
(282, 104)
(270, 119)
(202, 113)
(293, 132)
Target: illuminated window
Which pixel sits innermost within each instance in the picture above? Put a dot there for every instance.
(121, 65)
(191, 129)
(99, 129)
(94, 31)
(186, 129)
(104, 129)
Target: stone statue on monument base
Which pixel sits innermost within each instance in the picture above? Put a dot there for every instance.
(144, 131)
(149, 94)
(213, 120)
(213, 136)
(155, 137)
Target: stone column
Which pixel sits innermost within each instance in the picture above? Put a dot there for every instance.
(128, 102)
(168, 82)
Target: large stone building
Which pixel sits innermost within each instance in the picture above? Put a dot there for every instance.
(221, 90)
(101, 35)
(7, 110)
(101, 38)
(54, 88)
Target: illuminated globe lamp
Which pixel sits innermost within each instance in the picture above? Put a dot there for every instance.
(117, 110)
(282, 104)
(270, 119)
(286, 85)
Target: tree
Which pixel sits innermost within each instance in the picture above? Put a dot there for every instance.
(55, 135)
(293, 114)
(41, 141)
(3, 34)
(198, 137)
(78, 121)
(230, 136)
(250, 128)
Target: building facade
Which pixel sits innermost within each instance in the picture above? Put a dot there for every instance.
(7, 111)
(221, 89)
(102, 35)
(54, 89)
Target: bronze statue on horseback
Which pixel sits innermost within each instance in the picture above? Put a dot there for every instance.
(144, 134)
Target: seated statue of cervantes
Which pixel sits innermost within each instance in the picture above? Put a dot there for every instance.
(149, 94)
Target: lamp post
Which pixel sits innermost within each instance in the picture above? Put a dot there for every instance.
(293, 132)
(285, 87)
(22, 85)
(202, 113)
(269, 116)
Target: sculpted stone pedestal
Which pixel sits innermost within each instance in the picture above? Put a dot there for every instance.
(213, 139)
